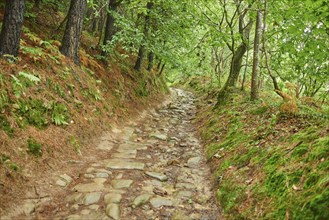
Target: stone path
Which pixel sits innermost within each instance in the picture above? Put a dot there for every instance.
(155, 170)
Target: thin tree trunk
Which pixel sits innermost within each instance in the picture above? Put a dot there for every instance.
(71, 39)
(12, 27)
(162, 69)
(254, 95)
(141, 52)
(159, 65)
(150, 59)
(110, 21)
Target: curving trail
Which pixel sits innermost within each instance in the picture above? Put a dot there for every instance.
(153, 169)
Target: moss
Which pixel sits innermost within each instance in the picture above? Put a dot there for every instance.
(230, 195)
(320, 149)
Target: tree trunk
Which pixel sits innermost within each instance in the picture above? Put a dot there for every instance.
(141, 52)
(140, 57)
(162, 69)
(110, 21)
(235, 66)
(71, 39)
(254, 95)
(150, 59)
(12, 27)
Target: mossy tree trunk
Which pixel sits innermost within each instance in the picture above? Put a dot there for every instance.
(12, 27)
(71, 39)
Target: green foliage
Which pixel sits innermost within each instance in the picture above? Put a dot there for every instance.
(5, 125)
(59, 114)
(33, 147)
(75, 144)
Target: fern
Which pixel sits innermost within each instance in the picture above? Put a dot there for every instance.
(29, 76)
(59, 115)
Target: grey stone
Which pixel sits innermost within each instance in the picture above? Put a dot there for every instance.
(102, 175)
(119, 184)
(91, 198)
(74, 208)
(89, 176)
(184, 194)
(67, 178)
(73, 217)
(100, 180)
(105, 145)
(161, 137)
(94, 207)
(61, 183)
(90, 170)
(113, 211)
(118, 164)
(28, 207)
(160, 201)
(89, 187)
(158, 176)
(132, 146)
(125, 154)
(112, 198)
(185, 186)
(75, 197)
(140, 200)
(194, 161)
(85, 212)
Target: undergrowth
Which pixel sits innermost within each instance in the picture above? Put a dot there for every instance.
(268, 165)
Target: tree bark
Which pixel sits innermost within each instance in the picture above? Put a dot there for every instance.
(110, 21)
(71, 39)
(141, 52)
(162, 69)
(12, 27)
(150, 59)
(254, 95)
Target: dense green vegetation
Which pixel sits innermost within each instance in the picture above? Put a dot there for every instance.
(261, 68)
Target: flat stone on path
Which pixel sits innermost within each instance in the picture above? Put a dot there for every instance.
(89, 187)
(194, 161)
(112, 198)
(61, 183)
(161, 137)
(140, 200)
(126, 154)
(160, 201)
(92, 198)
(113, 211)
(118, 164)
(119, 184)
(156, 175)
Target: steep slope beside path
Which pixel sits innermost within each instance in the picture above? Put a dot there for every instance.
(153, 169)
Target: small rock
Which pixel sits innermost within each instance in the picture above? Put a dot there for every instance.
(194, 161)
(162, 137)
(100, 180)
(73, 217)
(112, 198)
(74, 207)
(75, 197)
(61, 183)
(102, 175)
(119, 164)
(67, 178)
(113, 211)
(119, 184)
(28, 207)
(159, 201)
(90, 170)
(85, 212)
(89, 176)
(184, 194)
(89, 187)
(91, 198)
(158, 176)
(94, 207)
(140, 200)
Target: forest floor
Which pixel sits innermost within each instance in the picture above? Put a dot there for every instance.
(150, 168)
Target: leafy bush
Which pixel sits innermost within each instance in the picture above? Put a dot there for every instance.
(59, 114)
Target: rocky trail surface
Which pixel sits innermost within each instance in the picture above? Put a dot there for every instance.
(151, 169)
